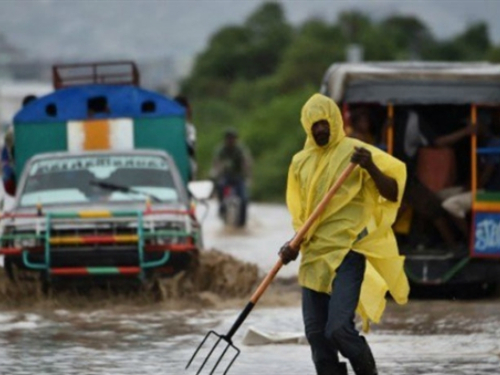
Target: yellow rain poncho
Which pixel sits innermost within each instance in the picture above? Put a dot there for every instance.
(357, 207)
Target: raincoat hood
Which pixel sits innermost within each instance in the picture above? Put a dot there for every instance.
(317, 108)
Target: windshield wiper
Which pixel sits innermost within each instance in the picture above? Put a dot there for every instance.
(123, 189)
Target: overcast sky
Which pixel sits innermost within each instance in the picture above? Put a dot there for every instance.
(90, 29)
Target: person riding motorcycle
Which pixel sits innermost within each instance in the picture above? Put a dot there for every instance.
(231, 169)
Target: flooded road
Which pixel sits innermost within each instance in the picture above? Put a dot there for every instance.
(139, 337)
(422, 338)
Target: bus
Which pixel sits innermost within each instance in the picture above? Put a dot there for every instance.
(446, 99)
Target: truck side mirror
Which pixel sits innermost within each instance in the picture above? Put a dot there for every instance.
(201, 190)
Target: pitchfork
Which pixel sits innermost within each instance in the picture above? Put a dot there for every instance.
(294, 243)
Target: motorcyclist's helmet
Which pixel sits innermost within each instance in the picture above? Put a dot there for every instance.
(231, 133)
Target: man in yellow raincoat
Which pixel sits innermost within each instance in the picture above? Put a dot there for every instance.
(349, 257)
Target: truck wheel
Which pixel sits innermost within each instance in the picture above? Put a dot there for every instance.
(9, 268)
(44, 284)
(152, 287)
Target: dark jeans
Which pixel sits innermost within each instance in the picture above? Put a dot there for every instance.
(329, 321)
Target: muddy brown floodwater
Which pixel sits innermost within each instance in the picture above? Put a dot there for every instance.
(109, 333)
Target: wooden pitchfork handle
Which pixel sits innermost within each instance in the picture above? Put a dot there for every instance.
(297, 239)
(267, 280)
(294, 244)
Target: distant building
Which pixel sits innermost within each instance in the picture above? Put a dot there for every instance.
(354, 53)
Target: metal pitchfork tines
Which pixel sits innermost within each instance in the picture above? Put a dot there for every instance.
(220, 338)
(227, 338)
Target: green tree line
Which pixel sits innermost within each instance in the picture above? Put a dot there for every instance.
(256, 76)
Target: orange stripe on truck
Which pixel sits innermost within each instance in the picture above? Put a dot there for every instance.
(97, 135)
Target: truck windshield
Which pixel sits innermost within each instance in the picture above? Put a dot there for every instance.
(81, 179)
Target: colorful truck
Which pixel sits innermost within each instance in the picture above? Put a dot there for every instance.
(103, 189)
(449, 97)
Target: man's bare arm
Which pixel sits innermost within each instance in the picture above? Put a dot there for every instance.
(387, 186)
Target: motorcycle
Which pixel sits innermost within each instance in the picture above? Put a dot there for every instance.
(232, 209)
